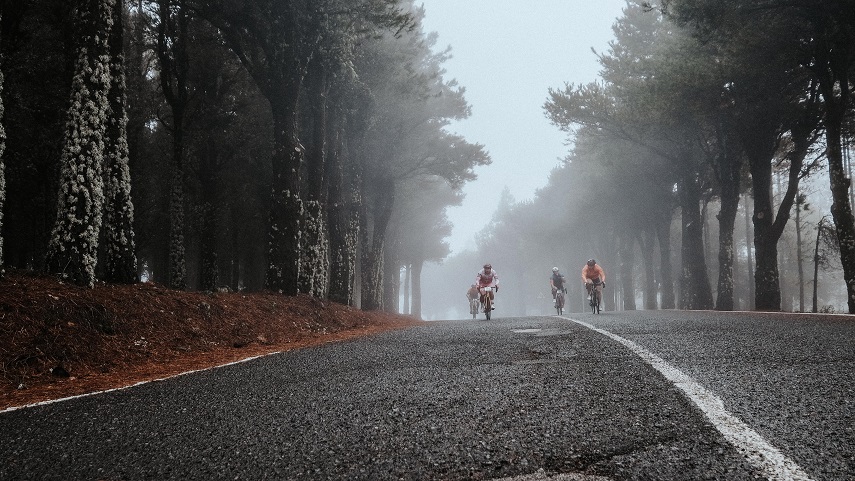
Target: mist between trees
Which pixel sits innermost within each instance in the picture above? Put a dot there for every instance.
(709, 169)
(278, 145)
(301, 146)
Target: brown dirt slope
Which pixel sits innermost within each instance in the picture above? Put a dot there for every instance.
(58, 340)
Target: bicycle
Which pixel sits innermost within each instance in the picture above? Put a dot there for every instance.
(474, 305)
(487, 302)
(596, 296)
(559, 300)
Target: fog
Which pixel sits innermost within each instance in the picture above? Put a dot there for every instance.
(524, 264)
(547, 201)
(507, 55)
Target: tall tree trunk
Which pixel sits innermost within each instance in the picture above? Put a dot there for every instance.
(800, 200)
(177, 256)
(2, 164)
(728, 171)
(841, 211)
(726, 227)
(749, 258)
(344, 207)
(208, 255)
(373, 247)
(663, 236)
(768, 226)
(119, 250)
(695, 290)
(416, 288)
(73, 248)
(172, 52)
(766, 277)
(391, 278)
(286, 206)
(406, 295)
(833, 64)
(819, 228)
(314, 269)
(627, 261)
(646, 242)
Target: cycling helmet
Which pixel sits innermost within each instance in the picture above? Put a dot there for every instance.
(591, 262)
(487, 266)
(554, 269)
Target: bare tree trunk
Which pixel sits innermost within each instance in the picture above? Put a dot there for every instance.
(726, 226)
(728, 174)
(416, 283)
(391, 277)
(627, 261)
(695, 290)
(314, 269)
(833, 72)
(646, 241)
(286, 206)
(841, 211)
(769, 225)
(800, 200)
(373, 247)
(208, 255)
(2, 165)
(405, 309)
(663, 236)
(172, 53)
(344, 207)
(819, 228)
(749, 236)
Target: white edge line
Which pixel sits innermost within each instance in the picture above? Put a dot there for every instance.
(771, 462)
(51, 401)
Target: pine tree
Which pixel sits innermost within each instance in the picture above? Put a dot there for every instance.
(73, 247)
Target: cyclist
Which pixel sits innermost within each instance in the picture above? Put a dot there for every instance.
(556, 282)
(472, 292)
(487, 277)
(593, 274)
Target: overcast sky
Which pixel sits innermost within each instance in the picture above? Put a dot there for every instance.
(507, 54)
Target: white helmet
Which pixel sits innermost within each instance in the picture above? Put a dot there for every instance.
(554, 269)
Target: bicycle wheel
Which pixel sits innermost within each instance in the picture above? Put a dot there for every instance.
(488, 307)
(597, 297)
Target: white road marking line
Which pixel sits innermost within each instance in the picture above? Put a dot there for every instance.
(51, 401)
(770, 461)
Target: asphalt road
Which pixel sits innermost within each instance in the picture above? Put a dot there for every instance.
(536, 397)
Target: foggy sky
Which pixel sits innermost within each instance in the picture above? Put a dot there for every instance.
(507, 54)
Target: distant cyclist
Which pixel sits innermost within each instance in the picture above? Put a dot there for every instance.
(556, 283)
(487, 277)
(593, 275)
(472, 292)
